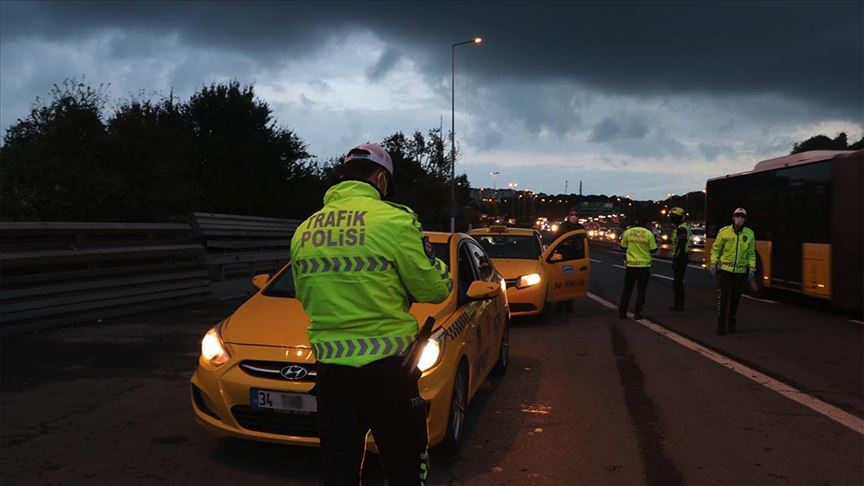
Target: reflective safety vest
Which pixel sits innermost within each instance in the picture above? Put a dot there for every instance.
(639, 242)
(734, 252)
(358, 263)
(675, 238)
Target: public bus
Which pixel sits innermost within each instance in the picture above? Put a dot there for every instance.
(806, 212)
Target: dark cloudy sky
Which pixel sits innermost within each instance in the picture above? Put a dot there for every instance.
(631, 97)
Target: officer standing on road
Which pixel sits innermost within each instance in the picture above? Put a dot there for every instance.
(734, 251)
(680, 250)
(639, 243)
(358, 263)
(570, 224)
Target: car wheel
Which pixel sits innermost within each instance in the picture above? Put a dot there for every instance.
(504, 352)
(456, 415)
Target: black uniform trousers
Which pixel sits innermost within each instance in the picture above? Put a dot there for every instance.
(679, 267)
(729, 288)
(381, 397)
(631, 276)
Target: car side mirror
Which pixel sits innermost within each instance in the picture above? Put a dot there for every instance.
(482, 290)
(556, 257)
(260, 280)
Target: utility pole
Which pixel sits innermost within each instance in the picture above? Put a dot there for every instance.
(580, 187)
(565, 185)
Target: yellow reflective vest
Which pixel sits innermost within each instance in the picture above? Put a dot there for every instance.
(734, 252)
(358, 263)
(639, 243)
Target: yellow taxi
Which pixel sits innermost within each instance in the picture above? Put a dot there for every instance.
(257, 368)
(536, 275)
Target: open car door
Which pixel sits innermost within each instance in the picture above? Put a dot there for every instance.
(567, 267)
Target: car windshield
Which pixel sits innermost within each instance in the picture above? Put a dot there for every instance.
(526, 247)
(283, 285)
(698, 231)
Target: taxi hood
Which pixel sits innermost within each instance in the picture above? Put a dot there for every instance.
(511, 268)
(281, 321)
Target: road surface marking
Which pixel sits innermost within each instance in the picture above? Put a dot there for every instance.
(758, 299)
(620, 266)
(841, 417)
(662, 276)
(595, 260)
(697, 267)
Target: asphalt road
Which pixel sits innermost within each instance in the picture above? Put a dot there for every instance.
(588, 399)
(816, 351)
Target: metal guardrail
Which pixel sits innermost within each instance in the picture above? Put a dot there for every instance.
(53, 274)
(240, 247)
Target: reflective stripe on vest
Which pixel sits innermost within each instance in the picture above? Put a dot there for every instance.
(343, 264)
(349, 348)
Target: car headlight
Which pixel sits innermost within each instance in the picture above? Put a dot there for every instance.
(528, 280)
(554, 228)
(213, 349)
(665, 237)
(432, 352)
(612, 236)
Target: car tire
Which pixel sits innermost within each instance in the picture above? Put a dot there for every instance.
(504, 350)
(456, 413)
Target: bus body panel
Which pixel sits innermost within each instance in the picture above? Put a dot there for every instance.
(847, 234)
(808, 216)
(816, 277)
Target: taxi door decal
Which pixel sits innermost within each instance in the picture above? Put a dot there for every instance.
(567, 267)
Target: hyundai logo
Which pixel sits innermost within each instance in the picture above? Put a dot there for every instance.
(294, 372)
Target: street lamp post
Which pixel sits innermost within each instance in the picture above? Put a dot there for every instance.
(476, 40)
(494, 191)
(513, 187)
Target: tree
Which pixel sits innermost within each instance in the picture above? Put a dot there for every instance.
(152, 145)
(245, 160)
(822, 142)
(53, 165)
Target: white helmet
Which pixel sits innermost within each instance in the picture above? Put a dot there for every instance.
(372, 153)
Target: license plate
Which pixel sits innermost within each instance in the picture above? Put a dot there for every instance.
(283, 402)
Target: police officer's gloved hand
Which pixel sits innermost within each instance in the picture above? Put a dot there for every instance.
(712, 269)
(751, 274)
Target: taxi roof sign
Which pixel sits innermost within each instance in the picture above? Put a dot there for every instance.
(498, 229)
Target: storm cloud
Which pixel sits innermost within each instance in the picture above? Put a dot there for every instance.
(704, 84)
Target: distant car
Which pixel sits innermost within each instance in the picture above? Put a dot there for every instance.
(697, 237)
(257, 367)
(536, 275)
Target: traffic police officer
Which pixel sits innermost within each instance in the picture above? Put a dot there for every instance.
(680, 249)
(358, 265)
(639, 243)
(734, 251)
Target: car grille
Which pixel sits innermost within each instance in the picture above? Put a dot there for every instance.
(273, 422)
(522, 307)
(272, 369)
